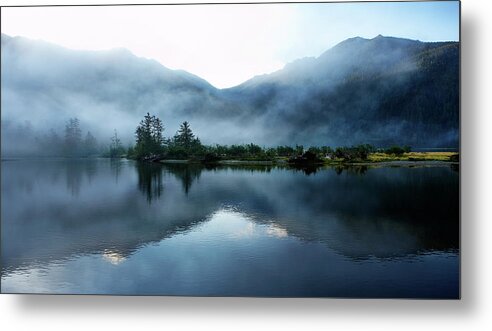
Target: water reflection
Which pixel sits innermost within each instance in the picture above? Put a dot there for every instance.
(150, 180)
(55, 212)
(353, 169)
(116, 165)
(74, 173)
(113, 257)
(306, 169)
(186, 173)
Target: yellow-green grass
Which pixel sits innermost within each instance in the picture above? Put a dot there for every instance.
(412, 156)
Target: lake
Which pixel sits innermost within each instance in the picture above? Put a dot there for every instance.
(100, 226)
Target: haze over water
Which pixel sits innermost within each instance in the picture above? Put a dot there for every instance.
(121, 227)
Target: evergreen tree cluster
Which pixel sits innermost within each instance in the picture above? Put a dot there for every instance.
(149, 140)
(71, 144)
(116, 148)
(360, 152)
(185, 145)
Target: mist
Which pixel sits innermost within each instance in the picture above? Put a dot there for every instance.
(380, 91)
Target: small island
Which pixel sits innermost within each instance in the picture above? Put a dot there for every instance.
(186, 147)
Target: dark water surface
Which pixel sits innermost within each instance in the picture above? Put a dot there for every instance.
(120, 227)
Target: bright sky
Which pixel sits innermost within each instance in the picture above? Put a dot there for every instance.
(228, 44)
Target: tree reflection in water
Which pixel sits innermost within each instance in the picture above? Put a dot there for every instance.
(352, 169)
(186, 173)
(150, 180)
(401, 223)
(115, 165)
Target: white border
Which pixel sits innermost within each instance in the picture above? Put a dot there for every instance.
(473, 312)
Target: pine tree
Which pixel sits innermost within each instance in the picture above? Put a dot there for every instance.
(116, 148)
(185, 138)
(73, 137)
(90, 144)
(149, 139)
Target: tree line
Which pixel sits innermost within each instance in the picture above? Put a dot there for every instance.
(150, 143)
(71, 143)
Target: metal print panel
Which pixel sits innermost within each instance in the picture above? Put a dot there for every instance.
(271, 150)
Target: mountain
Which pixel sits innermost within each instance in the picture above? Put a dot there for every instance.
(382, 91)
(52, 79)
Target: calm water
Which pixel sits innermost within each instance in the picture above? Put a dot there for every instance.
(119, 227)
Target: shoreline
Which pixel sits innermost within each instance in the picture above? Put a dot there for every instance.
(426, 163)
(410, 159)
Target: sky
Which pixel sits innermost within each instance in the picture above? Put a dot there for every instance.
(229, 44)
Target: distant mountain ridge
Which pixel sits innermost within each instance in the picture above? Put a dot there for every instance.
(382, 91)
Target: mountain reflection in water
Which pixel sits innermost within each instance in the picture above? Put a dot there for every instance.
(182, 229)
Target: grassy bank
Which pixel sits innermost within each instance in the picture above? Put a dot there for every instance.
(372, 158)
(412, 156)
